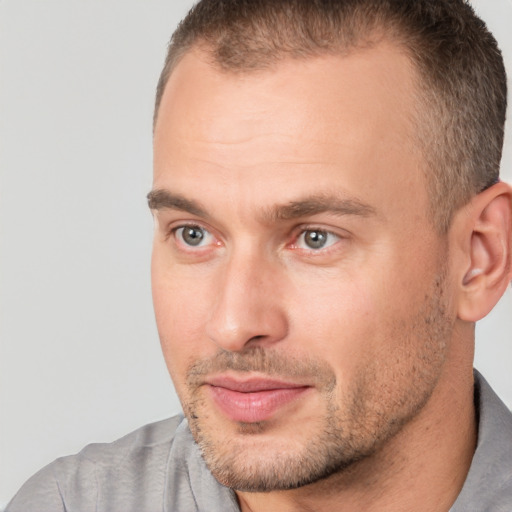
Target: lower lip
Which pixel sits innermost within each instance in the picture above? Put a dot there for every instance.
(255, 406)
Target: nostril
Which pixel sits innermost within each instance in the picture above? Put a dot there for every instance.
(257, 338)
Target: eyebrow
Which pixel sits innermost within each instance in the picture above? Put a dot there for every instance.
(159, 199)
(320, 203)
(311, 205)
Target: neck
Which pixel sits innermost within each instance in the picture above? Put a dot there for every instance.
(422, 468)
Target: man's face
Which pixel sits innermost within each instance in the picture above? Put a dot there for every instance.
(299, 288)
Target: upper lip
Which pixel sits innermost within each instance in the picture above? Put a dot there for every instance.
(251, 384)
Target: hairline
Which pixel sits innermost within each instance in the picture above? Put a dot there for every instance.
(424, 125)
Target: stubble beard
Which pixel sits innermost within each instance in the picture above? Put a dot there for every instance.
(350, 427)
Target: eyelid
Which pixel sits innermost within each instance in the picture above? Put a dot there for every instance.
(300, 230)
(172, 226)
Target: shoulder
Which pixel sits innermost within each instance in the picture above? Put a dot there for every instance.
(150, 440)
(488, 485)
(103, 472)
(144, 450)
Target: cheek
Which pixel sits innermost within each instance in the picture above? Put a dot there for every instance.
(181, 310)
(353, 321)
(338, 323)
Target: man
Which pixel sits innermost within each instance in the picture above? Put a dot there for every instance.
(329, 227)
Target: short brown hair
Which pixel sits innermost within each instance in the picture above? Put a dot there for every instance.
(462, 82)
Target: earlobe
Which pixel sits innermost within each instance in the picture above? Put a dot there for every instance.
(489, 250)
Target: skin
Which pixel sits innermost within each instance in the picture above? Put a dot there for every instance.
(375, 324)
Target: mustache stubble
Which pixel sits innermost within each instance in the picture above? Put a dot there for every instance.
(268, 362)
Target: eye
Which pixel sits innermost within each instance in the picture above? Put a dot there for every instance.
(193, 236)
(316, 239)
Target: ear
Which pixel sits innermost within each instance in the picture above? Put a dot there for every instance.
(487, 246)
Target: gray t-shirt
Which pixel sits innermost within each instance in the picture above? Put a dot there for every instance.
(159, 468)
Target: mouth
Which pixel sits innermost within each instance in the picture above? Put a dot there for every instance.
(255, 399)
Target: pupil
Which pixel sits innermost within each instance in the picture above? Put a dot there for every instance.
(316, 239)
(193, 235)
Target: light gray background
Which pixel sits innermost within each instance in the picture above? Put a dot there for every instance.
(79, 354)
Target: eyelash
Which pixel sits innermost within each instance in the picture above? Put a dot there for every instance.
(319, 231)
(301, 232)
(175, 230)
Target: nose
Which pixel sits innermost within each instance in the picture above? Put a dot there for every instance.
(248, 309)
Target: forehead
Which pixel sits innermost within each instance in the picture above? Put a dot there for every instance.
(382, 75)
(300, 121)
